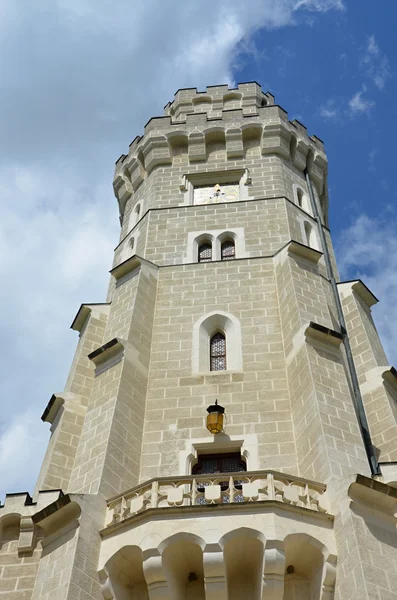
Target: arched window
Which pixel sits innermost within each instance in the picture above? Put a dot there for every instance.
(228, 251)
(132, 243)
(303, 200)
(311, 237)
(137, 212)
(300, 197)
(205, 252)
(218, 352)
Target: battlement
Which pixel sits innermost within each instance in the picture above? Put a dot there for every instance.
(247, 96)
(234, 120)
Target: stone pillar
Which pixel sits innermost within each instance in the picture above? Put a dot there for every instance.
(273, 572)
(214, 573)
(153, 571)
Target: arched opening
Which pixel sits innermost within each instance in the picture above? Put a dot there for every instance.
(132, 244)
(204, 253)
(228, 250)
(303, 200)
(202, 104)
(183, 565)
(252, 136)
(203, 331)
(244, 565)
(9, 529)
(137, 212)
(304, 564)
(311, 237)
(218, 352)
(232, 101)
(123, 575)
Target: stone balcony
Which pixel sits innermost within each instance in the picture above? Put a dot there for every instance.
(226, 488)
(228, 536)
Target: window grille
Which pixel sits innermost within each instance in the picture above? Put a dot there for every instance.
(205, 252)
(218, 352)
(220, 463)
(228, 251)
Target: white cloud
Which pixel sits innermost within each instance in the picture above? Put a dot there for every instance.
(330, 110)
(368, 250)
(320, 5)
(375, 63)
(84, 79)
(359, 105)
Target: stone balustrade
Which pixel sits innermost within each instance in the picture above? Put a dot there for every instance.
(219, 488)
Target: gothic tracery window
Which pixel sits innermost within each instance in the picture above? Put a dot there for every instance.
(205, 252)
(228, 250)
(218, 352)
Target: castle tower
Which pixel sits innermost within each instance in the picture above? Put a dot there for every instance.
(224, 294)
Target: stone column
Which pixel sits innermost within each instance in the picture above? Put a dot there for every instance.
(153, 571)
(214, 573)
(273, 572)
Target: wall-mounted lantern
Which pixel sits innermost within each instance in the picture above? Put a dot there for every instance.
(215, 418)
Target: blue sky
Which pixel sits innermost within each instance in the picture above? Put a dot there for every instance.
(79, 80)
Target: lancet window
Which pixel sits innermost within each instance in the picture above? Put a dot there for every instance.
(205, 252)
(218, 352)
(228, 250)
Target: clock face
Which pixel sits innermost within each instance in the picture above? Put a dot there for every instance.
(214, 194)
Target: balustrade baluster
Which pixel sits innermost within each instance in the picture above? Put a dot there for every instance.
(270, 487)
(155, 494)
(231, 489)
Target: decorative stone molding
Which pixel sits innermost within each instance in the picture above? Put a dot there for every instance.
(131, 265)
(318, 333)
(360, 289)
(71, 402)
(108, 355)
(297, 249)
(85, 311)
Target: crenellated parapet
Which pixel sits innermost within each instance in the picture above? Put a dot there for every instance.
(17, 514)
(233, 120)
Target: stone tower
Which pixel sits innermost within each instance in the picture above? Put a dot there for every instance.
(224, 288)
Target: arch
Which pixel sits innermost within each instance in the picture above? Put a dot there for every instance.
(204, 251)
(215, 142)
(242, 532)
(134, 216)
(218, 351)
(244, 556)
(183, 565)
(182, 536)
(178, 142)
(232, 100)
(202, 103)
(310, 568)
(311, 236)
(203, 330)
(228, 249)
(252, 136)
(122, 576)
(10, 526)
(302, 199)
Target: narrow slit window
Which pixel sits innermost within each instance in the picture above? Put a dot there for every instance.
(205, 252)
(228, 250)
(218, 352)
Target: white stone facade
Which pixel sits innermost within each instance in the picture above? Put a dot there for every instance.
(134, 521)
